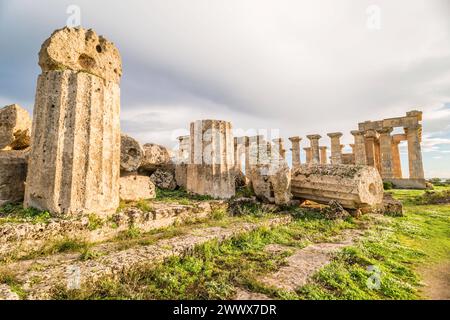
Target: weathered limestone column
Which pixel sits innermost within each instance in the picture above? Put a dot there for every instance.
(257, 149)
(369, 140)
(336, 150)
(295, 141)
(396, 163)
(359, 147)
(308, 154)
(280, 153)
(386, 153)
(247, 154)
(414, 152)
(314, 142)
(239, 150)
(182, 161)
(211, 168)
(323, 155)
(74, 164)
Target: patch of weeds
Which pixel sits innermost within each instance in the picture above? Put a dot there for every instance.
(433, 197)
(67, 245)
(179, 195)
(218, 214)
(95, 222)
(131, 233)
(143, 205)
(89, 254)
(16, 213)
(7, 277)
(244, 192)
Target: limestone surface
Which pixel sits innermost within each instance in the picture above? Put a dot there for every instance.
(15, 127)
(353, 186)
(164, 179)
(135, 187)
(211, 168)
(13, 172)
(131, 153)
(78, 49)
(74, 164)
(155, 157)
(272, 183)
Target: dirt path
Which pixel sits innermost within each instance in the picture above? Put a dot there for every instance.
(436, 280)
(301, 265)
(39, 276)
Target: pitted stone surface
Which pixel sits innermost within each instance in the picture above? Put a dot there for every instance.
(135, 187)
(15, 127)
(78, 49)
(131, 153)
(155, 157)
(13, 172)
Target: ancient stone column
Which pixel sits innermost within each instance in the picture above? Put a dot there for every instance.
(247, 154)
(295, 141)
(280, 153)
(15, 128)
(13, 172)
(239, 149)
(386, 153)
(74, 164)
(182, 161)
(314, 143)
(414, 152)
(396, 163)
(336, 150)
(211, 168)
(257, 149)
(369, 140)
(323, 155)
(352, 186)
(359, 147)
(308, 154)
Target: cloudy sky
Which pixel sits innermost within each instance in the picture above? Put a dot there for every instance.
(288, 66)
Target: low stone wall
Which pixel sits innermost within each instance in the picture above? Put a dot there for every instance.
(20, 238)
(407, 183)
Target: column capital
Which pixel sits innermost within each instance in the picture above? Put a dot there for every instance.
(357, 132)
(181, 138)
(323, 147)
(370, 134)
(335, 134)
(277, 140)
(307, 148)
(295, 139)
(314, 136)
(385, 130)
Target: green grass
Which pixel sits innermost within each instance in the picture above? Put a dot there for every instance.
(16, 213)
(179, 196)
(214, 270)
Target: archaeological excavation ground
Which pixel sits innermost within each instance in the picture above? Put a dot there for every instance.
(92, 211)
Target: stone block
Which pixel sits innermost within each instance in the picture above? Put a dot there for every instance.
(135, 187)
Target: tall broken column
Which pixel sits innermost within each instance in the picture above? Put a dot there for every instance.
(279, 153)
(359, 147)
(414, 152)
(386, 153)
(314, 143)
(336, 149)
(74, 164)
(211, 167)
(295, 149)
(308, 154)
(182, 161)
(323, 155)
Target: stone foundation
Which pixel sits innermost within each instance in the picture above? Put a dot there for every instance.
(13, 172)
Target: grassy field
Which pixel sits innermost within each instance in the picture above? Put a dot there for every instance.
(389, 261)
(392, 259)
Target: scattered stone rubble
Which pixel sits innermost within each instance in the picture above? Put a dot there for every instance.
(15, 128)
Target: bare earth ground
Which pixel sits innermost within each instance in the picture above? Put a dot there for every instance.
(436, 280)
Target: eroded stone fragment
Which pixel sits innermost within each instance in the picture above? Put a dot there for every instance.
(155, 157)
(135, 187)
(272, 183)
(353, 186)
(15, 127)
(164, 179)
(13, 172)
(131, 153)
(79, 49)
